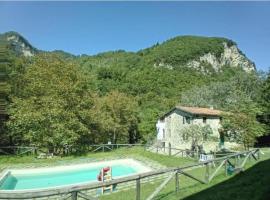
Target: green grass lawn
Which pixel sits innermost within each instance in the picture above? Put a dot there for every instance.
(251, 184)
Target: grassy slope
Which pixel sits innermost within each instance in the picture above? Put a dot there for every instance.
(252, 184)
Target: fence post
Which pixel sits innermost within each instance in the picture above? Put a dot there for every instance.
(238, 160)
(249, 158)
(177, 182)
(170, 149)
(103, 147)
(207, 172)
(74, 195)
(259, 154)
(138, 189)
(226, 166)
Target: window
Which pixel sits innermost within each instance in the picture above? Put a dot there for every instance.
(163, 144)
(204, 120)
(163, 131)
(188, 120)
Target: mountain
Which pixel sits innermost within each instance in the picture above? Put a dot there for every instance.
(20, 46)
(202, 53)
(206, 54)
(18, 43)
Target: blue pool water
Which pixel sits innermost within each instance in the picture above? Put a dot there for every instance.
(51, 179)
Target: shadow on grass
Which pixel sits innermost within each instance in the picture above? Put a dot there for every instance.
(252, 184)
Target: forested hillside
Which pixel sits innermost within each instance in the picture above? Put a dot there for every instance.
(59, 99)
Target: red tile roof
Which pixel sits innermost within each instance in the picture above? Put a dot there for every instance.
(200, 111)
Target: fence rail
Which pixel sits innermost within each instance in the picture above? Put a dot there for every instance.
(17, 150)
(76, 191)
(20, 150)
(67, 150)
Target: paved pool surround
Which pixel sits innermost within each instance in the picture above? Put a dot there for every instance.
(135, 167)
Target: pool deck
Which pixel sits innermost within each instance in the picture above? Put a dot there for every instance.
(81, 160)
(128, 161)
(143, 165)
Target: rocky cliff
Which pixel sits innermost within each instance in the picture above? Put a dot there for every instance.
(18, 44)
(231, 56)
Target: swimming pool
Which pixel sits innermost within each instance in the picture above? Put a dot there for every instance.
(67, 175)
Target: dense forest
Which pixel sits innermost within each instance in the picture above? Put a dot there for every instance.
(56, 99)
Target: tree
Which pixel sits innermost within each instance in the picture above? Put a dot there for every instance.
(197, 134)
(225, 95)
(241, 124)
(5, 63)
(240, 97)
(265, 101)
(50, 108)
(266, 93)
(117, 116)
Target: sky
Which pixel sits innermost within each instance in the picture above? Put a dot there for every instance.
(94, 27)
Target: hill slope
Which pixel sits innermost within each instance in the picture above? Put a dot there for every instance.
(206, 54)
(197, 52)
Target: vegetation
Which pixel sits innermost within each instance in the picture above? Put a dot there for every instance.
(49, 108)
(265, 117)
(197, 134)
(240, 98)
(4, 90)
(59, 99)
(55, 107)
(180, 50)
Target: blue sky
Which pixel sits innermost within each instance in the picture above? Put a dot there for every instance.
(93, 27)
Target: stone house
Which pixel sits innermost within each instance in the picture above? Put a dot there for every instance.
(170, 124)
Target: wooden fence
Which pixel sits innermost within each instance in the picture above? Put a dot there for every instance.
(17, 150)
(20, 150)
(78, 191)
(171, 151)
(109, 147)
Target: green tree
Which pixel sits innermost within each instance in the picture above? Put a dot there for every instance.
(117, 116)
(265, 117)
(240, 97)
(5, 63)
(197, 134)
(225, 95)
(50, 109)
(242, 128)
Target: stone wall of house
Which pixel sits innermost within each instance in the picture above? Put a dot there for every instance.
(214, 123)
(174, 124)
